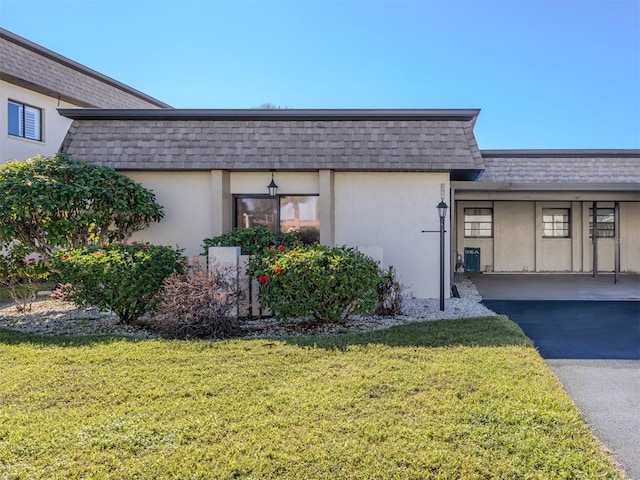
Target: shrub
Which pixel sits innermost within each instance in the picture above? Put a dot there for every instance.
(123, 278)
(252, 241)
(47, 202)
(199, 305)
(326, 283)
(389, 294)
(21, 273)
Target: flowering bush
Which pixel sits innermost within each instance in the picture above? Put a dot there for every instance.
(326, 283)
(253, 241)
(21, 273)
(123, 278)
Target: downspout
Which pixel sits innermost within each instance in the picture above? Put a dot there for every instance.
(616, 226)
(452, 238)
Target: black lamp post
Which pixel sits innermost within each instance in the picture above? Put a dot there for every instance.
(273, 188)
(442, 213)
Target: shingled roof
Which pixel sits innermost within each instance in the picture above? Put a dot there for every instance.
(561, 166)
(31, 66)
(384, 140)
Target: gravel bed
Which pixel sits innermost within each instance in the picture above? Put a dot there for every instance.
(54, 317)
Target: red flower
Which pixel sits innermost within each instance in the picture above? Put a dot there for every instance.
(134, 242)
(263, 279)
(105, 245)
(122, 244)
(277, 270)
(63, 259)
(31, 260)
(282, 248)
(294, 255)
(98, 253)
(144, 247)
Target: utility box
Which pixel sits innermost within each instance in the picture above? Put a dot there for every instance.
(472, 259)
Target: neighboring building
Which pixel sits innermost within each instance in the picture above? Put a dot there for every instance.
(367, 178)
(34, 82)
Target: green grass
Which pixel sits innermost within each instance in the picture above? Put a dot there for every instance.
(459, 399)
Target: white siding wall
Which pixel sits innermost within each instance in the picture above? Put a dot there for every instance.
(54, 126)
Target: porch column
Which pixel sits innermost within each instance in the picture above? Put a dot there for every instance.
(616, 226)
(594, 238)
(327, 207)
(221, 202)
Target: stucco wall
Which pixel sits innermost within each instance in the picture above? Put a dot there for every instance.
(54, 126)
(371, 209)
(630, 236)
(186, 198)
(391, 210)
(518, 244)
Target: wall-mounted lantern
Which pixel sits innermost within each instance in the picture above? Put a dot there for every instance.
(273, 188)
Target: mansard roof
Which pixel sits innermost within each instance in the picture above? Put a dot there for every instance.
(289, 139)
(561, 166)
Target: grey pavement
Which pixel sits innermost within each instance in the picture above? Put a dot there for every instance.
(588, 331)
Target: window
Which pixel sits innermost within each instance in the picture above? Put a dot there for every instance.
(24, 121)
(606, 222)
(555, 222)
(478, 222)
(286, 213)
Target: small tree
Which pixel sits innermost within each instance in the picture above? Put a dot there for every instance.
(21, 275)
(46, 202)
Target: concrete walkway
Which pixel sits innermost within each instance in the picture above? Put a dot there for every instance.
(537, 286)
(588, 331)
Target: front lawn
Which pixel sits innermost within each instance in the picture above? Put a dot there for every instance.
(449, 399)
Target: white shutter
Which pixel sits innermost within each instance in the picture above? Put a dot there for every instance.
(15, 119)
(31, 123)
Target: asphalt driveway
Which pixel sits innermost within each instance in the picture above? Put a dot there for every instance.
(592, 346)
(577, 329)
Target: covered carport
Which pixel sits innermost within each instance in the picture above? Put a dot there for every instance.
(533, 211)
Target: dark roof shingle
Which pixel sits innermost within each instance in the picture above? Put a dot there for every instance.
(561, 166)
(274, 141)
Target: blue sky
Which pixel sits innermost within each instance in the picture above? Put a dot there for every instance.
(546, 73)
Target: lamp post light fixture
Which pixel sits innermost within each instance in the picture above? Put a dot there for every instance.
(442, 213)
(273, 188)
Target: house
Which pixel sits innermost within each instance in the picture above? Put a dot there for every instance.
(374, 178)
(366, 178)
(34, 82)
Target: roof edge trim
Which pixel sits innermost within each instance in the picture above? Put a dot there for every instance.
(564, 187)
(560, 153)
(266, 114)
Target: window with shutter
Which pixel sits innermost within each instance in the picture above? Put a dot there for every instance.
(24, 121)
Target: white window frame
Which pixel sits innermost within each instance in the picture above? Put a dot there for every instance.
(556, 222)
(476, 221)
